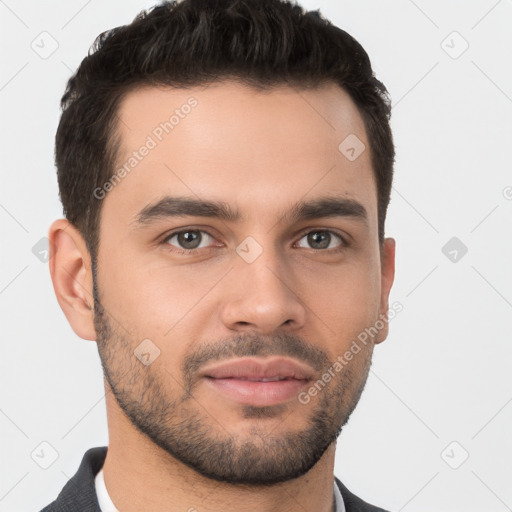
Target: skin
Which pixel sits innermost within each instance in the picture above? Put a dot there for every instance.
(260, 152)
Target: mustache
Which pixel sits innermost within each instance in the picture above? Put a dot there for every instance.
(243, 345)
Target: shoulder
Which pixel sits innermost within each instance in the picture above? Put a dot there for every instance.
(354, 503)
(79, 493)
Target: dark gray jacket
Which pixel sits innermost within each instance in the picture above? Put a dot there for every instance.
(79, 493)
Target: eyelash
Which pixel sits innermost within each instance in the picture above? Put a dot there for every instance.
(344, 243)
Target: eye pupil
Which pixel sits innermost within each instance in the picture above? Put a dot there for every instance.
(189, 239)
(322, 237)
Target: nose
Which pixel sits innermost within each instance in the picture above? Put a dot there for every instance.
(263, 297)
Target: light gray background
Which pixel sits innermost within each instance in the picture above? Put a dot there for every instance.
(443, 375)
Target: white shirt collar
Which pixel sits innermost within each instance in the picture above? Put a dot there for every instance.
(340, 504)
(106, 504)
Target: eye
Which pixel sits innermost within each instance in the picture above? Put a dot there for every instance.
(188, 239)
(320, 239)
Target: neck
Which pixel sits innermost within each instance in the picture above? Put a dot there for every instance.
(139, 475)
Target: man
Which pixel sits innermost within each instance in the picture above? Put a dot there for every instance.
(225, 168)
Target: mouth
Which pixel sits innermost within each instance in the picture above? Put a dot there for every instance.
(258, 381)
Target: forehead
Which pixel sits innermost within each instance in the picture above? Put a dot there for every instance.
(261, 150)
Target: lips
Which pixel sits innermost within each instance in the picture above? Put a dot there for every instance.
(252, 368)
(258, 381)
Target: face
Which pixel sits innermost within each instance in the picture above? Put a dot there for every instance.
(238, 261)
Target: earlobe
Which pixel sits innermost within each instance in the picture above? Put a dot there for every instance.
(387, 278)
(71, 273)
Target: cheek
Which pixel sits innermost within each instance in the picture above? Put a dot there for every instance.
(348, 301)
(151, 297)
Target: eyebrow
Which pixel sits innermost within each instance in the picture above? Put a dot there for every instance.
(303, 210)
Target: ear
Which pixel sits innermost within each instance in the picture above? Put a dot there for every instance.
(70, 269)
(387, 259)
